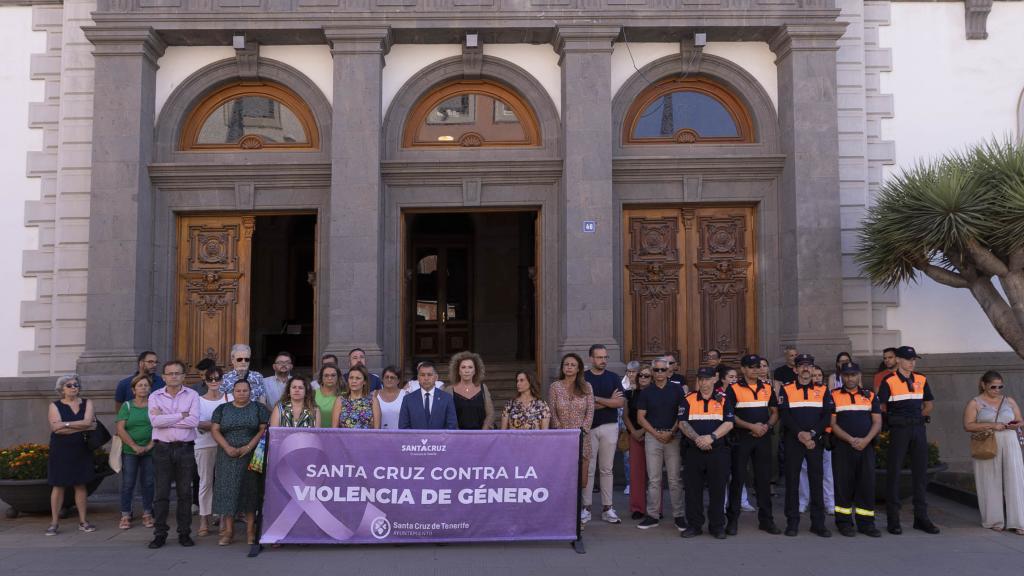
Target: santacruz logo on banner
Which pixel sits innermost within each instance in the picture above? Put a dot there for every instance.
(369, 486)
(424, 447)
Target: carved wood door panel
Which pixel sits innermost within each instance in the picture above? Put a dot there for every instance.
(689, 283)
(214, 281)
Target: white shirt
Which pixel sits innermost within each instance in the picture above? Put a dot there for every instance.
(206, 408)
(389, 411)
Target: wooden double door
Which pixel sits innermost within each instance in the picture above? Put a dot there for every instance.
(689, 283)
(216, 279)
(442, 315)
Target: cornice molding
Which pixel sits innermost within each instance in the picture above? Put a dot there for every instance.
(586, 38)
(806, 37)
(31, 2)
(125, 42)
(976, 18)
(454, 172)
(207, 176)
(359, 39)
(641, 169)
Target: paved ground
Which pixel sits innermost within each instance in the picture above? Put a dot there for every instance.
(963, 548)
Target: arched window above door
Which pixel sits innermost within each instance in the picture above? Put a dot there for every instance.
(687, 111)
(250, 116)
(471, 114)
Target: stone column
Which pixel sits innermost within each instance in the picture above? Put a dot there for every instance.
(119, 316)
(811, 284)
(354, 245)
(588, 292)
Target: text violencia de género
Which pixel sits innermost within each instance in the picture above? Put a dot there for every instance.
(473, 473)
(479, 495)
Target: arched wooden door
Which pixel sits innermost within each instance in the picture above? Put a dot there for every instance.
(689, 283)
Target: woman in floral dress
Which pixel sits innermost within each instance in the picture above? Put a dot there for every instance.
(355, 406)
(572, 404)
(526, 411)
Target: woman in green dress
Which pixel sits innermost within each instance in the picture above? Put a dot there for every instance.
(237, 427)
(297, 410)
(327, 395)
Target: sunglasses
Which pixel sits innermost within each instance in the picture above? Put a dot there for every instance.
(212, 378)
(660, 369)
(241, 359)
(77, 385)
(1000, 387)
(645, 376)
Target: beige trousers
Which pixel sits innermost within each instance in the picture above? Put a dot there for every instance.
(1000, 483)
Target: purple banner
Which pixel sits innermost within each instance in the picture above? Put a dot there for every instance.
(334, 486)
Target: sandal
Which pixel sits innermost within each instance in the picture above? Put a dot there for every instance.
(51, 530)
(147, 520)
(126, 523)
(203, 531)
(1019, 531)
(226, 539)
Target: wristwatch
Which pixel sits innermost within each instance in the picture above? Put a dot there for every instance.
(812, 433)
(714, 436)
(67, 424)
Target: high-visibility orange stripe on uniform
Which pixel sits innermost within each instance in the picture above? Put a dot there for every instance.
(899, 391)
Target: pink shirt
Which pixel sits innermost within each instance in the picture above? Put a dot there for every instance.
(165, 413)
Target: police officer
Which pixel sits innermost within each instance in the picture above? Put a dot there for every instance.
(856, 421)
(805, 409)
(756, 412)
(906, 401)
(705, 417)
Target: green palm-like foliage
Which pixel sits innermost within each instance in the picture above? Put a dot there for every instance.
(959, 220)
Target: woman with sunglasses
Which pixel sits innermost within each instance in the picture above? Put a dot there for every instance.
(70, 462)
(206, 445)
(999, 480)
(636, 453)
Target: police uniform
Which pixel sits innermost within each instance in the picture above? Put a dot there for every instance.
(752, 402)
(853, 470)
(708, 468)
(804, 409)
(903, 398)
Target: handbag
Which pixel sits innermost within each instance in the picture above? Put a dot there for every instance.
(98, 438)
(983, 444)
(258, 461)
(116, 447)
(623, 442)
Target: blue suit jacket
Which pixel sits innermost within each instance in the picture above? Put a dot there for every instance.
(442, 412)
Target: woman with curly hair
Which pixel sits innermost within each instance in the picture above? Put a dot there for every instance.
(473, 405)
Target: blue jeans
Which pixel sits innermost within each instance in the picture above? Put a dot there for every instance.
(138, 469)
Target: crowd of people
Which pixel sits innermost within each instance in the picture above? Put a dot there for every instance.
(705, 437)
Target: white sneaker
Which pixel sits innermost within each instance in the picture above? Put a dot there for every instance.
(585, 516)
(746, 507)
(626, 490)
(610, 516)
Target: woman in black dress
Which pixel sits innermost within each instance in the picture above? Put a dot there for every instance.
(473, 406)
(70, 461)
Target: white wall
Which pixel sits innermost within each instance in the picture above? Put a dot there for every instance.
(404, 61)
(180, 62)
(754, 57)
(17, 43)
(949, 92)
(540, 61)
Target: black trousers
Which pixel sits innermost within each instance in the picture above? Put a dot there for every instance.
(758, 451)
(709, 469)
(796, 453)
(853, 474)
(910, 439)
(173, 462)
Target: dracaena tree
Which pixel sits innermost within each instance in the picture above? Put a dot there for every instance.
(960, 221)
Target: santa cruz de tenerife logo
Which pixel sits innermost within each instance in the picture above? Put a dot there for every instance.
(380, 527)
(426, 447)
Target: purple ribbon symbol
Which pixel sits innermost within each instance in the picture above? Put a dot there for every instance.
(286, 477)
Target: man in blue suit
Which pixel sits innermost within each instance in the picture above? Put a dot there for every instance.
(427, 408)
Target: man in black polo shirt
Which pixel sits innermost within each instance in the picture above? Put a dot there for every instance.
(805, 409)
(756, 413)
(705, 417)
(674, 376)
(787, 372)
(906, 401)
(604, 432)
(856, 421)
(658, 414)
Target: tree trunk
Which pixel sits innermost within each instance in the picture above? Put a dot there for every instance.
(999, 312)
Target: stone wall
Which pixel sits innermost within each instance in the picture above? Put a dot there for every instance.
(60, 261)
